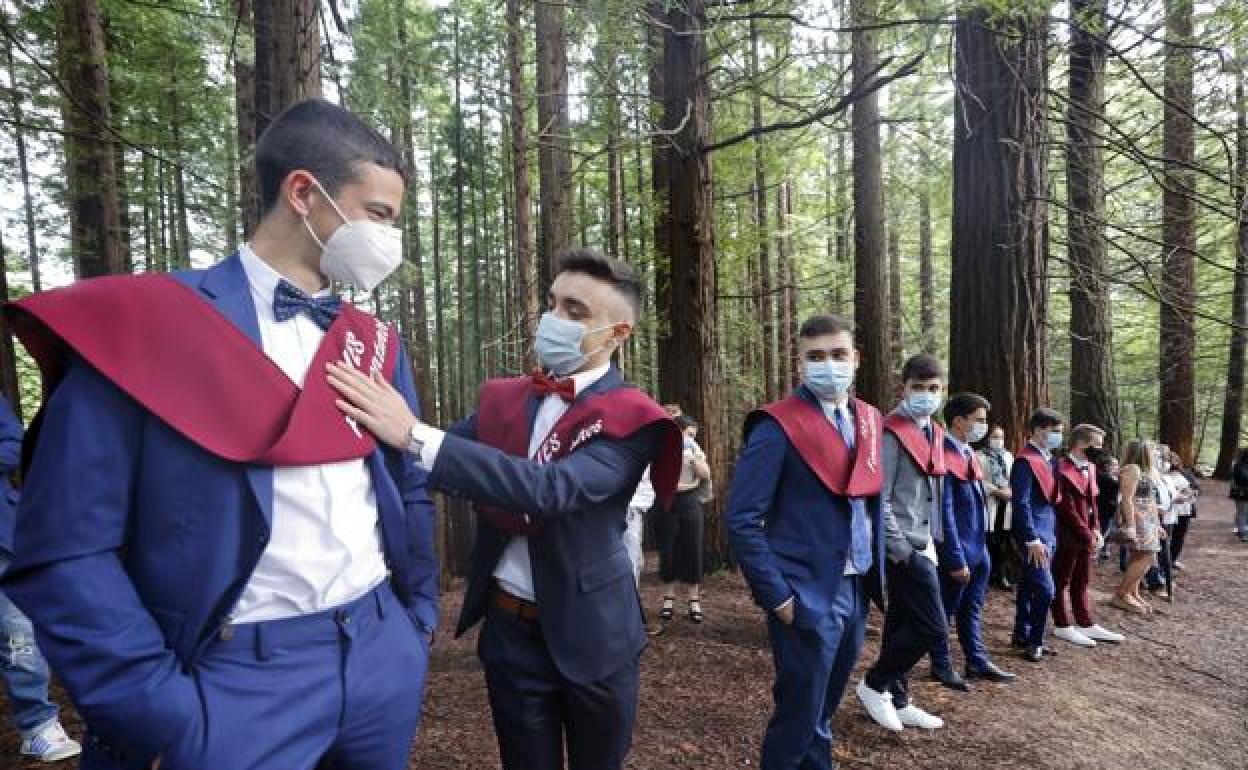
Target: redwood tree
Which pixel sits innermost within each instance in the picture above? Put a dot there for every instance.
(997, 304)
(1232, 410)
(1176, 417)
(554, 164)
(1093, 390)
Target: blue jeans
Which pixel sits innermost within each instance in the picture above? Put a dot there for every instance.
(22, 667)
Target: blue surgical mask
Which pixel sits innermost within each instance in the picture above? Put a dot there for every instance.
(829, 380)
(1053, 440)
(977, 433)
(558, 344)
(921, 405)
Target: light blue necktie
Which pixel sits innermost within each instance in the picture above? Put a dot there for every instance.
(859, 535)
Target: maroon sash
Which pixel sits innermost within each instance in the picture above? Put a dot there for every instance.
(503, 423)
(822, 448)
(1042, 471)
(961, 467)
(929, 457)
(175, 354)
(1084, 485)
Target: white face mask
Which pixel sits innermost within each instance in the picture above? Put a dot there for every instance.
(997, 443)
(977, 433)
(360, 253)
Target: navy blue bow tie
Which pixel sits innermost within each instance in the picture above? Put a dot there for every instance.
(289, 301)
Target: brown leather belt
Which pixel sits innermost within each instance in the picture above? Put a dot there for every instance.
(513, 604)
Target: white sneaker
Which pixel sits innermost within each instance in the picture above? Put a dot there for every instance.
(1098, 634)
(49, 743)
(880, 706)
(1069, 634)
(913, 716)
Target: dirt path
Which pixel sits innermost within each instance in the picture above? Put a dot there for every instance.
(1175, 695)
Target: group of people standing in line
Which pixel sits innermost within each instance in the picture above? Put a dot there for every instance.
(225, 540)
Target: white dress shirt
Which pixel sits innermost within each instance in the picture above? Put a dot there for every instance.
(514, 571)
(325, 548)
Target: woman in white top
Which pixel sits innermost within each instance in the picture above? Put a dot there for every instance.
(996, 462)
(1188, 488)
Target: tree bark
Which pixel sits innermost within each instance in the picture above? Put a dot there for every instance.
(1176, 416)
(553, 134)
(1093, 389)
(297, 52)
(418, 333)
(765, 301)
(894, 287)
(461, 274)
(998, 300)
(927, 280)
(525, 284)
(689, 361)
(23, 170)
(265, 64)
(1232, 410)
(245, 121)
(871, 308)
(10, 385)
(787, 342)
(94, 210)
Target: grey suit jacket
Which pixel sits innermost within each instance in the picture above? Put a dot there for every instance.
(910, 503)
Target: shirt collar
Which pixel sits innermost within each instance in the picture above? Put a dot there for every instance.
(583, 380)
(962, 446)
(1042, 450)
(830, 408)
(261, 275)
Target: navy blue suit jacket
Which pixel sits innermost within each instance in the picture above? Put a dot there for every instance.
(10, 459)
(582, 577)
(966, 535)
(134, 544)
(791, 534)
(1034, 516)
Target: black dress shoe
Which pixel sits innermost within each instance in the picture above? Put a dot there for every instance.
(991, 673)
(1034, 654)
(951, 679)
(1017, 643)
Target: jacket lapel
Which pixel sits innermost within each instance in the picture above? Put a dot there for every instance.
(225, 286)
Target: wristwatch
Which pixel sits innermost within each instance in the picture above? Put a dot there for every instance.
(415, 444)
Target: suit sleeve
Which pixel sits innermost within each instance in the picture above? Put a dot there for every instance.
(952, 557)
(597, 472)
(1021, 482)
(421, 517)
(897, 548)
(67, 574)
(1068, 514)
(750, 499)
(10, 439)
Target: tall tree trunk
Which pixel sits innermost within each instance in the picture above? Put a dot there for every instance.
(94, 211)
(245, 122)
(871, 309)
(1232, 410)
(1093, 390)
(689, 371)
(297, 53)
(927, 280)
(998, 291)
(787, 342)
(461, 275)
(179, 174)
(10, 385)
(23, 170)
(554, 163)
(265, 64)
(1176, 417)
(526, 286)
(894, 287)
(608, 55)
(765, 303)
(418, 333)
(660, 184)
(445, 408)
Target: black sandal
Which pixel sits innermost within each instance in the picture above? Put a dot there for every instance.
(695, 610)
(668, 609)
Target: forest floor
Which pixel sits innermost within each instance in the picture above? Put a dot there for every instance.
(1174, 695)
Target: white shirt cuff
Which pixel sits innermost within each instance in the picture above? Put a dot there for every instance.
(1035, 542)
(786, 603)
(425, 442)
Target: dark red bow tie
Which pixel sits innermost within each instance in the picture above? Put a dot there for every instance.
(545, 385)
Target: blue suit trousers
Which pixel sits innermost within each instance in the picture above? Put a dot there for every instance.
(812, 670)
(334, 689)
(964, 604)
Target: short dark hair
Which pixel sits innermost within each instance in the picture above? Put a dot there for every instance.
(1084, 431)
(922, 366)
(1044, 417)
(619, 274)
(324, 139)
(825, 323)
(685, 422)
(963, 405)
